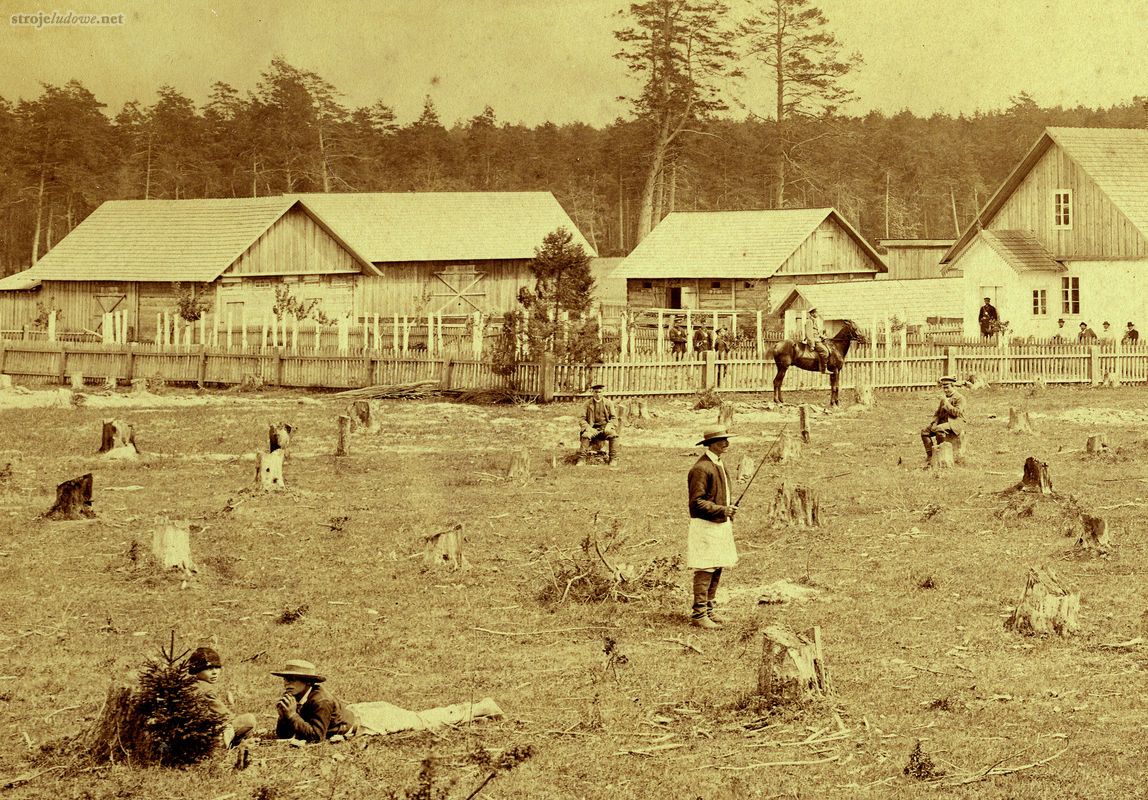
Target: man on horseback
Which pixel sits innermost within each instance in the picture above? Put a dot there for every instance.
(815, 338)
(949, 421)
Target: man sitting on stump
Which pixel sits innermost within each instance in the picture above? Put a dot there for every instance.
(949, 420)
(598, 422)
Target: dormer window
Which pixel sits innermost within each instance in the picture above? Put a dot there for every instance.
(1062, 209)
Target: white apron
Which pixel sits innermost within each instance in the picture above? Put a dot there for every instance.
(710, 544)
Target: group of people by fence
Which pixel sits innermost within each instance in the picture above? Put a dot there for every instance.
(720, 338)
(988, 318)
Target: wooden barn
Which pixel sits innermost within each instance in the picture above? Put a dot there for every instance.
(744, 260)
(138, 256)
(19, 295)
(354, 254)
(1065, 236)
(913, 258)
(450, 253)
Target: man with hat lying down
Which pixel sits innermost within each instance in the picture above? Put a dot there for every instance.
(949, 421)
(709, 542)
(599, 421)
(306, 710)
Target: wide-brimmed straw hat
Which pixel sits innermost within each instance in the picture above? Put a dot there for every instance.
(715, 435)
(298, 668)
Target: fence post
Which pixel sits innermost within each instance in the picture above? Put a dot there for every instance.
(661, 341)
(547, 377)
(278, 366)
(51, 327)
(130, 369)
(63, 362)
(709, 370)
(950, 362)
(1094, 364)
(199, 381)
(760, 336)
(445, 373)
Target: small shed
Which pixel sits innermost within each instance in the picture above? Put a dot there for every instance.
(912, 301)
(744, 260)
(913, 258)
(19, 294)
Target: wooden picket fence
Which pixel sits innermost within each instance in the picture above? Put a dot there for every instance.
(886, 368)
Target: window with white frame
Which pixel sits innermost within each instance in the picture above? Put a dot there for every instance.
(1039, 302)
(1070, 295)
(1062, 208)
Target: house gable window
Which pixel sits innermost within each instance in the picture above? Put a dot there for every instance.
(1070, 295)
(1062, 209)
(1039, 302)
(647, 284)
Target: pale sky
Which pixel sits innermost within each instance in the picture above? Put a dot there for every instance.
(540, 60)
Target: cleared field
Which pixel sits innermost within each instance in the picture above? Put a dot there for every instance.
(346, 541)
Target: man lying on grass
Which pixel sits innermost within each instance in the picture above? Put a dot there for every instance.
(306, 710)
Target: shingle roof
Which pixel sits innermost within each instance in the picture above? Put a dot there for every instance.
(1117, 159)
(728, 244)
(862, 301)
(18, 282)
(160, 240)
(1021, 251)
(444, 226)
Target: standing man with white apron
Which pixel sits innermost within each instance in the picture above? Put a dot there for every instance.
(709, 543)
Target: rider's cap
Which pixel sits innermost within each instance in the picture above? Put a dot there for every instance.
(811, 311)
(947, 379)
(598, 386)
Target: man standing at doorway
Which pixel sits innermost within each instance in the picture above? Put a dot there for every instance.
(988, 318)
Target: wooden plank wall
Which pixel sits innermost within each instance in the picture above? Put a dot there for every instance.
(295, 244)
(414, 288)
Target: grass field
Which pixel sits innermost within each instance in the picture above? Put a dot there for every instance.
(345, 541)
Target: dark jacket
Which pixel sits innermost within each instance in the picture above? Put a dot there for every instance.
(951, 410)
(707, 491)
(322, 716)
(599, 413)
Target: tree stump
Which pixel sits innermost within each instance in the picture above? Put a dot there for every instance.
(1019, 421)
(5, 383)
(745, 469)
(1035, 477)
(344, 435)
(171, 546)
(111, 383)
(1037, 387)
(269, 471)
(942, 456)
(863, 395)
(118, 730)
(1097, 444)
(792, 669)
(444, 549)
(803, 422)
(795, 505)
(1047, 606)
(1092, 534)
(788, 449)
(643, 409)
(622, 412)
(519, 465)
(77, 380)
(118, 440)
(139, 386)
(1111, 380)
(975, 381)
(279, 436)
(366, 414)
(73, 499)
(725, 416)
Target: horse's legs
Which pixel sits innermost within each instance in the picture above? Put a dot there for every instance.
(834, 382)
(777, 379)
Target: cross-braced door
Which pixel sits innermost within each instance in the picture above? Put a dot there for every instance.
(459, 291)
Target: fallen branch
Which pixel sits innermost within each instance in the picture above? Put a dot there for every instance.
(645, 751)
(60, 711)
(768, 764)
(20, 780)
(551, 630)
(684, 643)
(941, 671)
(995, 770)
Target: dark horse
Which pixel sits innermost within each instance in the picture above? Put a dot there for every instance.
(788, 354)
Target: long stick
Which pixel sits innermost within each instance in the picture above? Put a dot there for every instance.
(760, 465)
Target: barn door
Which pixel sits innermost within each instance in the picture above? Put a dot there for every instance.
(107, 301)
(459, 290)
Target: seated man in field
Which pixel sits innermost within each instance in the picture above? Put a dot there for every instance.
(306, 710)
(949, 420)
(598, 423)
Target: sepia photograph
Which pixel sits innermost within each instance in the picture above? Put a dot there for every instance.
(596, 400)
